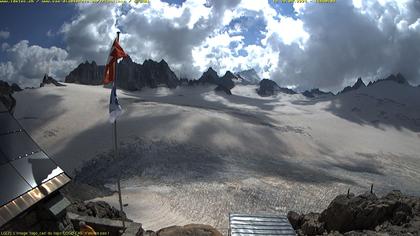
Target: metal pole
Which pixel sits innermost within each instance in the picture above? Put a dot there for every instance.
(116, 148)
(119, 174)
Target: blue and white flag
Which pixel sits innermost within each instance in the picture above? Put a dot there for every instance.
(115, 109)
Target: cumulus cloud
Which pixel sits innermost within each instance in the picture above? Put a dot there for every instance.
(322, 45)
(371, 39)
(28, 63)
(4, 34)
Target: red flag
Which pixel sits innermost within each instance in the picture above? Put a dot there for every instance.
(116, 53)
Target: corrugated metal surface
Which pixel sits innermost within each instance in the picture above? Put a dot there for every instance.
(243, 224)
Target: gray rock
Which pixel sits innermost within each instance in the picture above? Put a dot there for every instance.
(224, 83)
(50, 80)
(311, 225)
(295, 219)
(130, 75)
(359, 84)
(86, 73)
(189, 230)
(98, 209)
(270, 88)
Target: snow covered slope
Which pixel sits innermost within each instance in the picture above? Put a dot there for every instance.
(193, 155)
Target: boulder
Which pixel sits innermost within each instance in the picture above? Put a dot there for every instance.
(311, 225)
(366, 214)
(295, 219)
(189, 230)
(347, 213)
(98, 209)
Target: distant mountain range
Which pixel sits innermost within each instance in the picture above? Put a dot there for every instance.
(133, 76)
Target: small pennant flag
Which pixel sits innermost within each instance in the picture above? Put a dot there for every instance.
(115, 53)
(115, 109)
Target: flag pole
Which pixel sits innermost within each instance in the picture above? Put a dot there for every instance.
(116, 148)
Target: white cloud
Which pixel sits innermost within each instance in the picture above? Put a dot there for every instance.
(4, 34)
(28, 63)
(370, 39)
(322, 46)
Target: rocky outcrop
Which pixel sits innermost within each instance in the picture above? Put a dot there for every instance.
(359, 84)
(187, 230)
(6, 97)
(158, 74)
(270, 88)
(86, 73)
(99, 209)
(224, 83)
(220, 88)
(366, 213)
(50, 80)
(16, 88)
(131, 76)
(316, 93)
(210, 77)
(6, 88)
(398, 78)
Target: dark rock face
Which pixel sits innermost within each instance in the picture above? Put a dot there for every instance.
(157, 74)
(210, 77)
(398, 78)
(393, 214)
(295, 219)
(16, 88)
(311, 225)
(357, 85)
(130, 75)
(50, 80)
(5, 88)
(224, 83)
(86, 73)
(98, 209)
(316, 93)
(6, 97)
(188, 230)
(270, 88)
(220, 88)
(227, 80)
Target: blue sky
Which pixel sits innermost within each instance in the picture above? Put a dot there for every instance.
(302, 45)
(33, 21)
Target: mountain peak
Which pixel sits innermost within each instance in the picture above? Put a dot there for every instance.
(163, 62)
(359, 83)
(249, 76)
(398, 78)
